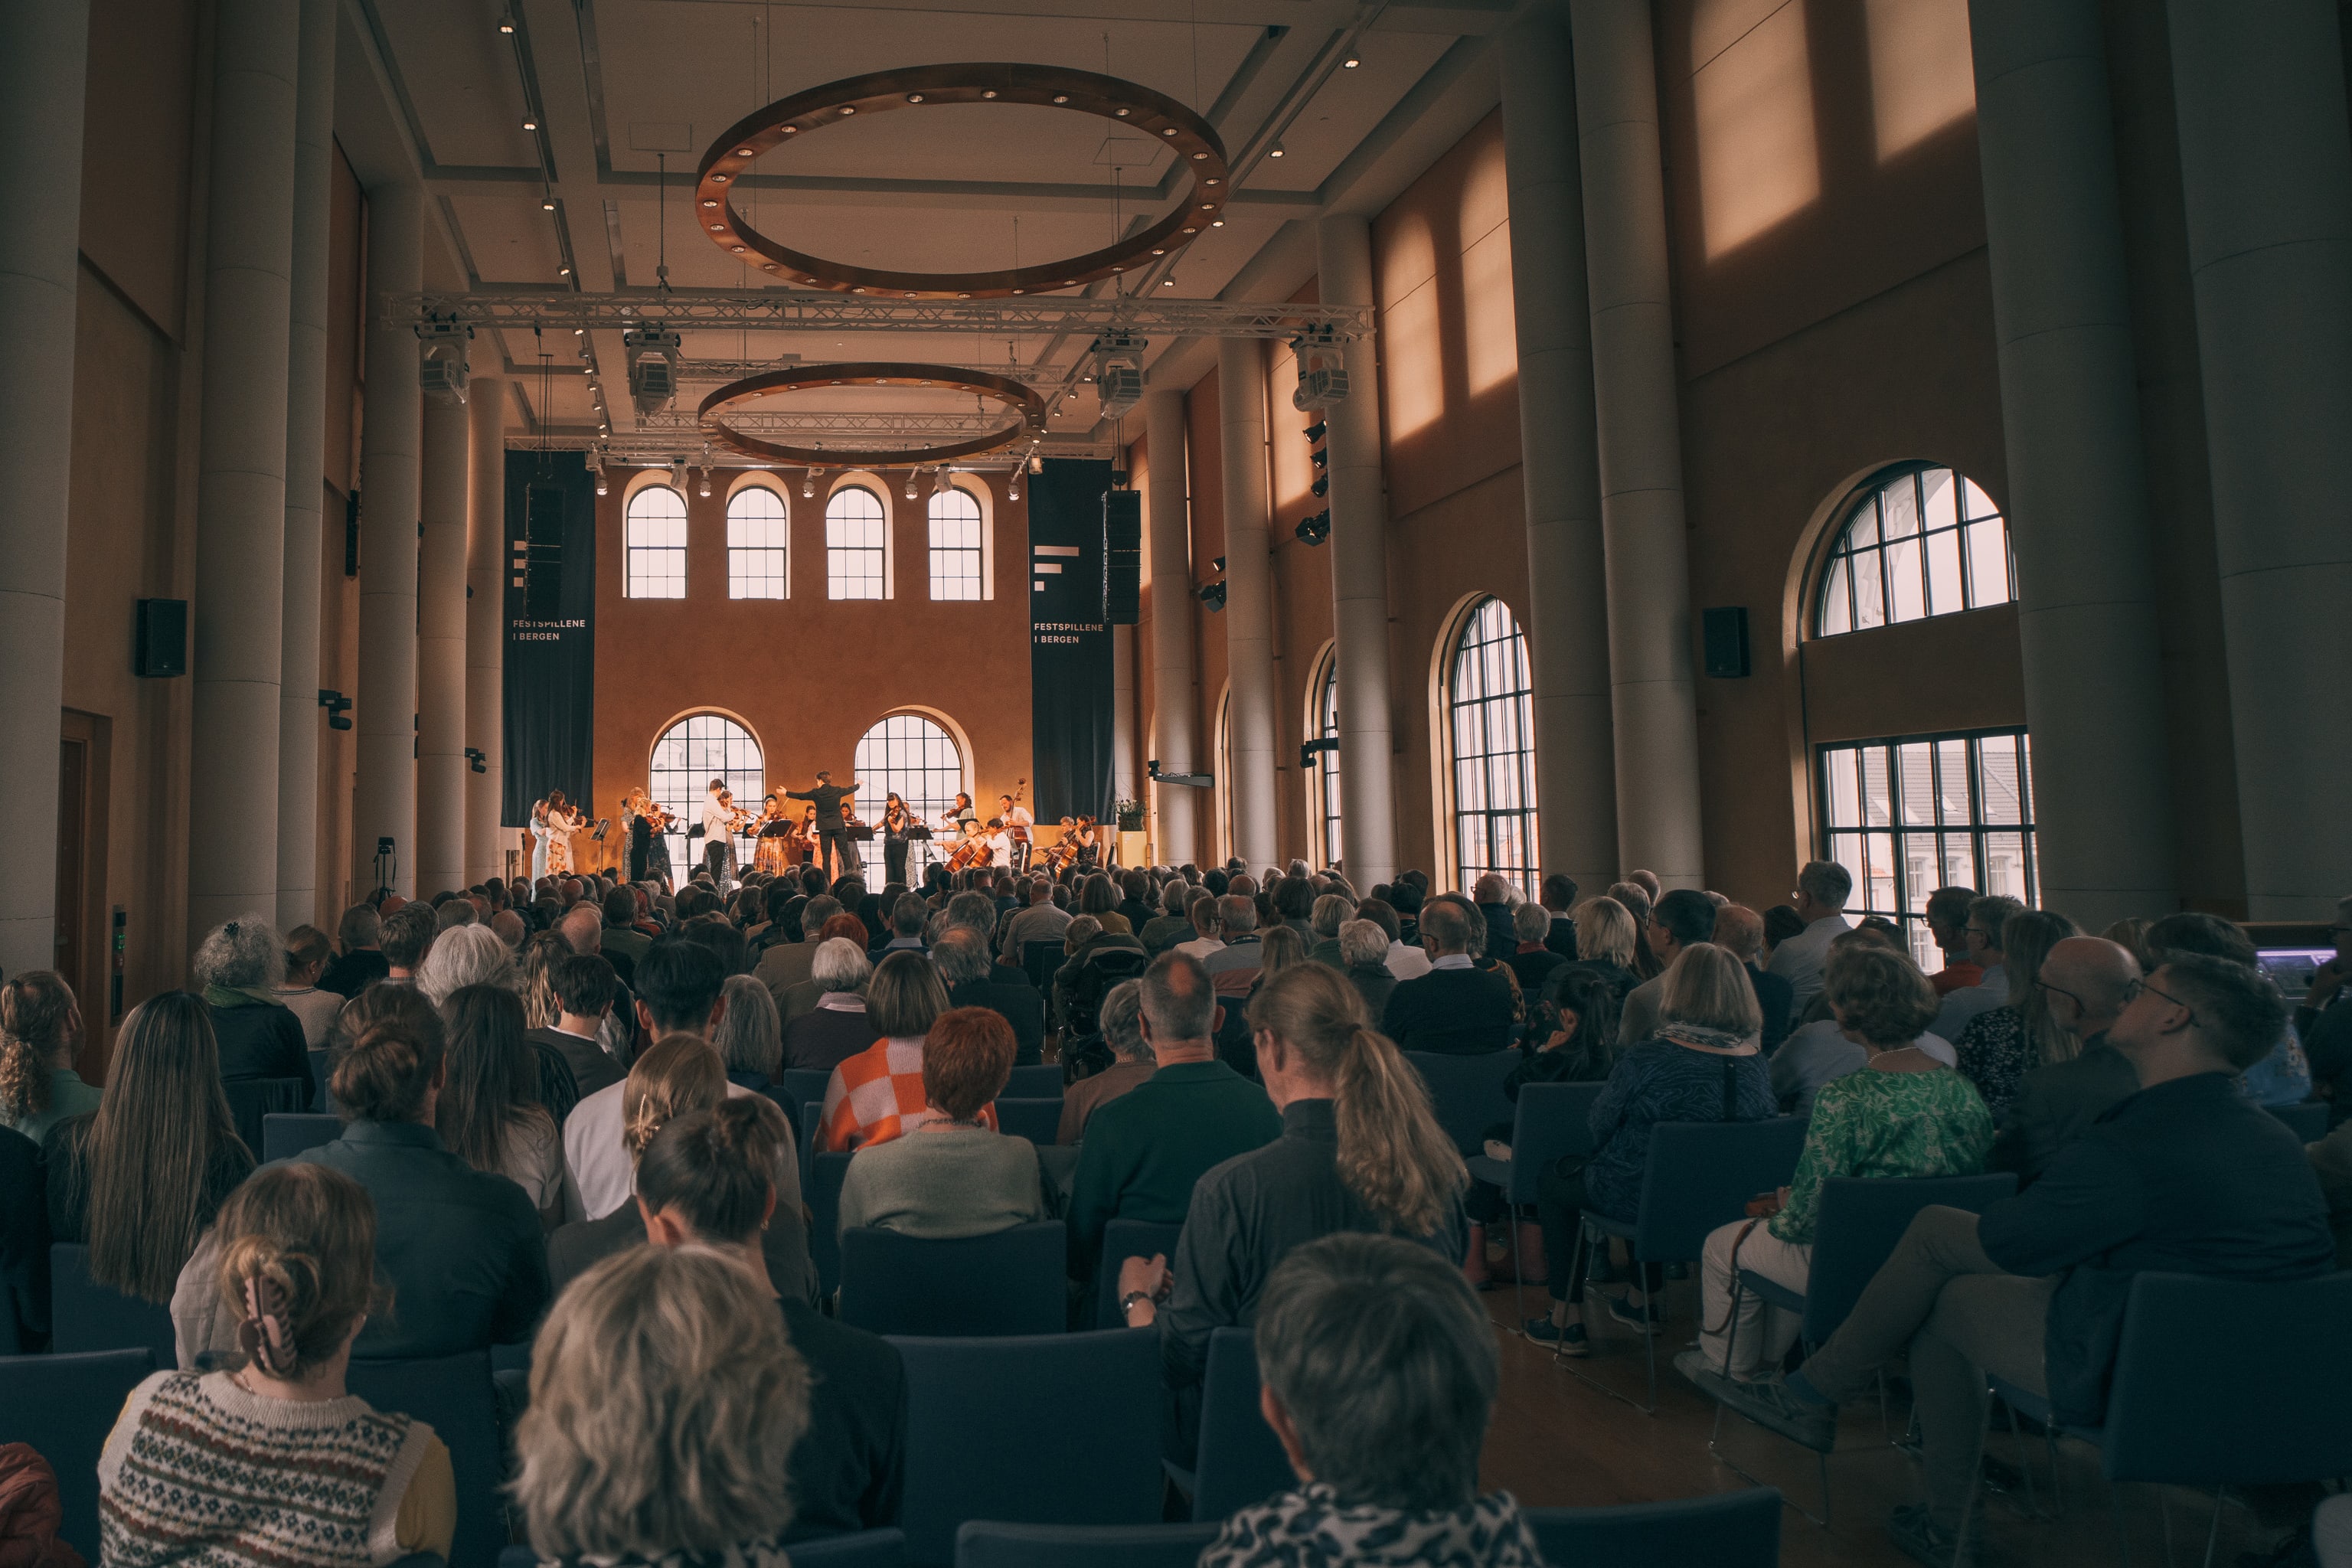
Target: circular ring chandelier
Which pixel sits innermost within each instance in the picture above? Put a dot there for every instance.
(1195, 143)
(1013, 395)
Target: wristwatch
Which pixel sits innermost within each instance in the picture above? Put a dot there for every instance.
(1127, 1302)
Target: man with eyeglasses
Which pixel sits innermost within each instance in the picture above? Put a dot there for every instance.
(2186, 1175)
(1823, 889)
(1987, 915)
(2084, 980)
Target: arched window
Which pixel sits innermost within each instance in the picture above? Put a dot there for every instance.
(1490, 736)
(955, 544)
(757, 542)
(655, 545)
(855, 551)
(917, 758)
(1323, 724)
(1921, 541)
(689, 755)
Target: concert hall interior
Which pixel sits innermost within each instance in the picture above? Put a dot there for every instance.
(1388, 464)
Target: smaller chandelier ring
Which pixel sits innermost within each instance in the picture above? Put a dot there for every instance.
(1014, 396)
(1199, 151)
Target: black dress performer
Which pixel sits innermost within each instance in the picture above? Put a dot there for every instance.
(832, 827)
(895, 823)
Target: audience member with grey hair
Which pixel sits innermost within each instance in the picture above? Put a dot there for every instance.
(836, 1027)
(1530, 956)
(968, 967)
(1823, 889)
(454, 912)
(358, 962)
(785, 964)
(467, 955)
(236, 967)
(510, 928)
(748, 1035)
(1378, 1371)
(1458, 1006)
(1120, 1020)
(1330, 911)
(1364, 958)
(1237, 925)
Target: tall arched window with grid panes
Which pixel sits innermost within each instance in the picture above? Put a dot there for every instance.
(1908, 814)
(916, 757)
(1490, 749)
(688, 756)
(757, 545)
(956, 555)
(856, 547)
(654, 542)
(1323, 779)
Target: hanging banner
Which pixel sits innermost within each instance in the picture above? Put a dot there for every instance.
(550, 631)
(1069, 645)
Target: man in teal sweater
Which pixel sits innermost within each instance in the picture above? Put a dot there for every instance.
(1144, 1151)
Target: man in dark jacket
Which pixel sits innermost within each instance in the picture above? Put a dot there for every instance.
(1559, 898)
(1456, 1007)
(2085, 979)
(832, 831)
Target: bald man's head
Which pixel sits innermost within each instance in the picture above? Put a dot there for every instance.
(2084, 977)
(583, 928)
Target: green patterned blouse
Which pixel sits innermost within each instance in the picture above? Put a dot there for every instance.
(1872, 1123)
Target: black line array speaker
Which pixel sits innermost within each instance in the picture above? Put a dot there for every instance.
(1122, 557)
(542, 566)
(160, 645)
(1726, 638)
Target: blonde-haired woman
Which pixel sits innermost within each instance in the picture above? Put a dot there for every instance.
(40, 1029)
(1605, 941)
(1704, 1063)
(1360, 1150)
(272, 1459)
(665, 1403)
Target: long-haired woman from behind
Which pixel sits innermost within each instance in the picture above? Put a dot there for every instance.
(140, 1179)
(272, 1459)
(1360, 1150)
(489, 1113)
(40, 1029)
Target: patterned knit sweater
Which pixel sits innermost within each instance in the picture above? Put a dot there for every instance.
(200, 1471)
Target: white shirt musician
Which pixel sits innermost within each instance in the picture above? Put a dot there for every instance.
(1018, 824)
(718, 831)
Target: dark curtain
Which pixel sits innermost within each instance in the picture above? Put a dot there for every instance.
(1069, 645)
(550, 632)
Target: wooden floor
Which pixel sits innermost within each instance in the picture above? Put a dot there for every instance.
(1556, 1441)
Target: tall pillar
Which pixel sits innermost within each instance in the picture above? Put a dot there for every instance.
(1560, 460)
(486, 513)
(1359, 571)
(44, 55)
(2266, 177)
(298, 717)
(2078, 484)
(1653, 702)
(1249, 596)
(383, 797)
(441, 652)
(239, 628)
(1175, 725)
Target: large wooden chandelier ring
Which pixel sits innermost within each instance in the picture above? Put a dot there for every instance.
(1012, 395)
(1198, 149)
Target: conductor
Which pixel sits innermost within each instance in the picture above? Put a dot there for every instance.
(832, 827)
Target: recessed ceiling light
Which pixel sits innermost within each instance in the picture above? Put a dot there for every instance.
(789, 130)
(507, 23)
(988, 93)
(1120, 113)
(743, 152)
(1161, 251)
(737, 249)
(718, 179)
(1276, 150)
(1351, 62)
(1198, 156)
(719, 228)
(849, 109)
(563, 272)
(1061, 98)
(1212, 179)
(1216, 222)
(1168, 130)
(547, 204)
(529, 122)
(709, 201)
(1167, 282)
(914, 97)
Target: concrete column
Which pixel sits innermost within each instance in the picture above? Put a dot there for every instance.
(486, 513)
(2078, 487)
(239, 626)
(44, 53)
(2266, 177)
(1559, 462)
(1249, 595)
(383, 797)
(1175, 725)
(1359, 571)
(1654, 706)
(441, 653)
(1122, 712)
(298, 715)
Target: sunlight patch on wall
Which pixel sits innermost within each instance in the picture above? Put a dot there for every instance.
(1758, 157)
(1292, 474)
(1489, 337)
(1921, 78)
(1413, 363)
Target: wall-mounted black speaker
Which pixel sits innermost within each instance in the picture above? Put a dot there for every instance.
(160, 644)
(1122, 557)
(542, 575)
(1726, 637)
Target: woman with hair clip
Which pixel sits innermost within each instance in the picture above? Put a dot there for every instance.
(489, 1113)
(40, 1029)
(141, 1178)
(1360, 1150)
(709, 1179)
(272, 1459)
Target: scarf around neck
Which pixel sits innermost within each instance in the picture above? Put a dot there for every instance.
(1698, 1037)
(1312, 1528)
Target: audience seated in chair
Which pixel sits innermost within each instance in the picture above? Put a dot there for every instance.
(2188, 1176)
(237, 966)
(1702, 1064)
(707, 1179)
(1823, 889)
(666, 1404)
(358, 962)
(1904, 1114)
(1360, 1150)
(750, 1034)
(2002, 1045)
(490, 1112)
(1146, 1150)
(1130, 1061)
(877, 1094)
(1820, 1051)
(1378, 1376)
(297, 989)
(2282, 1076)
(40, 1031)
(139, 1180)
(951, 1174)
(1681, 918)
(1740, 930)
(1605, 938)
(837, 1024)
(269, 1458)
(1457, 1007)
(966, 968)
(2083, 981)
(582, 988)
(1988, 916)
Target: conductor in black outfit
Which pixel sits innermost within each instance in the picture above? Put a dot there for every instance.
(832, 827)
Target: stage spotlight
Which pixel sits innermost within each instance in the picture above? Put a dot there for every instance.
(703, 490)
(1214, 596)
(1276, 150)
(441, 369)
(911, 484)
(1321, 487)
(1313, 530)
(808, 485)
(1013, 486)
(652, 355)
(1317, 431)
(939, 485)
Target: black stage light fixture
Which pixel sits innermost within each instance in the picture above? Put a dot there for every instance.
(1314, 530)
